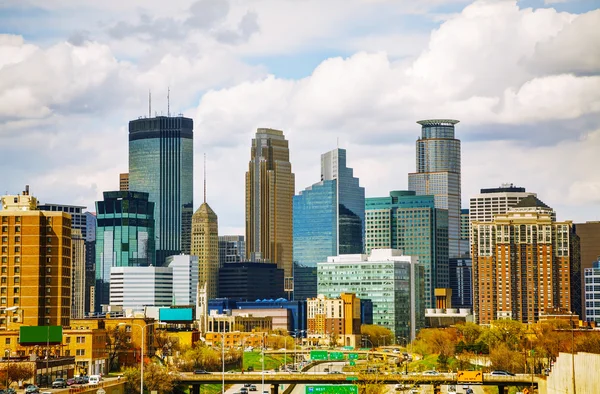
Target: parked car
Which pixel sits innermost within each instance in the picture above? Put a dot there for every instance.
(70, 382)
(59, 383)
(501, 373)
(32, 389)
(431, 373)
(201, 372)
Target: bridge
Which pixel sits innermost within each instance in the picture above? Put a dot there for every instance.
(275, 379)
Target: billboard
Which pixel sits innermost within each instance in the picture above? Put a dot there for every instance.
(39, 335)
(176, 314)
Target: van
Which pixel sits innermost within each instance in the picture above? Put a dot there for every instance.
(95, 379)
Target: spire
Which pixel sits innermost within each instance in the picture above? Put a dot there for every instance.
(205, 178)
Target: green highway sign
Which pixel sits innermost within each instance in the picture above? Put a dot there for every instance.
(348, 347)
(331, 389)
(352, 378)
(352, 363)
(336, 356)
(353, 356)
(318, 355)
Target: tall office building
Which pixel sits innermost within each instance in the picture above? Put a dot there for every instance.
(232, 249)
(185, 278)
(250, 281)
(493, 201)
(161, 163)
(269, 193)
(138, 287)
(461, 282)
(36, 263)
(79, 229)
(124, 237)
(589, 242)
(124, 182)
(393, 281)
(205, 245)
(438, 173)
(414, 225)
(90, 262)
(524, 263)
(592, 292)
(329, 218)
(465, 228)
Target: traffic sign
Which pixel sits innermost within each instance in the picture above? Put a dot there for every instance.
(469, 376)
(318, 355)
(331, 389)
(353, 356)
(336, 356)
(352, 363)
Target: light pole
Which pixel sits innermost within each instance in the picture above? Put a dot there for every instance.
(143, 328)
(263, 363)
(223, 363)
(573, 353)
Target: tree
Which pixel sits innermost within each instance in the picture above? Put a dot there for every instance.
(19, 371)
(503, 357)
(469, 332)
(378, 335)
(158, 379)
(132, 379)
(118, 343)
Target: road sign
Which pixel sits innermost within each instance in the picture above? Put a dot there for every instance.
(353, 356)
(469, 376)
(352, 363)
(352, 378)
(348, 347)
(331, 389)
(336, 356)
(318, 355)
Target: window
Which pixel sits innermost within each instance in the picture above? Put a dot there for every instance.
(4, 239)
(16, 300)
(67, 339)
(3, 300)
(4, 229)
(4, 269)
(18, 219)
(17, 239)
(7, 341)
(17, 249)
(17, 270)
(17, 280)
(80, 339)
(5, 249)
(80, 352)
(17, 259)
(67, 353)
(16, 290)
(47, 311)
(17, 229)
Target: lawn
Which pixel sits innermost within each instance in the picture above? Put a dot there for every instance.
(272, 361)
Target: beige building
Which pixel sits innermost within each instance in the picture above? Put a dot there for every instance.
(124, 181)
(334, 321)
(270, 187)
(280, 317)
(243, 322)
(205, 245)
(524, 263)
(35, 258)
(78, 270)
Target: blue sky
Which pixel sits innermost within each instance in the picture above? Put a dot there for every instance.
(522, 77)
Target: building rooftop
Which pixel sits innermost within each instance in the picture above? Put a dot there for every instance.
(438, 122)
(531, 202)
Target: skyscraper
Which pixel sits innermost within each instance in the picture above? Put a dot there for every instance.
(589, 241)
(36, 263)
(414, 225)
(90, 262)
(232, 249)
(269, 192)
(328, 219)
(494, 201)
(205, 245)
(161, 164)
(124, 237)
(524, 263)
(438, 173)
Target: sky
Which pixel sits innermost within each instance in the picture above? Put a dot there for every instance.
(523, 78)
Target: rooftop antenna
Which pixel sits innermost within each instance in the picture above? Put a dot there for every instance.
(338, 142)
(168, 101)
(205, 178)
(149, 103)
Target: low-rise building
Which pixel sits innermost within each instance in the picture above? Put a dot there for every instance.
(334, 321)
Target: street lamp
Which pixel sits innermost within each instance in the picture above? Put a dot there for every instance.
(263, 363)
(142, 349)
(223, 363)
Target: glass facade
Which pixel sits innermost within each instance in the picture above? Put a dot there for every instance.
(438, 173)
(592, 292)
(461, 279)
(394, 284)
(124, 237)
(328, 220)
(412, 224)
(161, 163)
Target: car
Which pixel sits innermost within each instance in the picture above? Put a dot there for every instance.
(32, 389)
(431, 373)
(400, 387)
(501, 373)
(396, 351)
(59, 383)
(201, 372)
(252, 388)
(250, 369)
(336, 373)
(70, 382)
(247, 384)
(244, 390)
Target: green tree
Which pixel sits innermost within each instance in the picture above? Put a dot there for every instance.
(378, 335)
(132, 380)
(156, 378)
(503, 357)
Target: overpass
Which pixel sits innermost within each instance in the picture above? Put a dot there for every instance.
(275, 379)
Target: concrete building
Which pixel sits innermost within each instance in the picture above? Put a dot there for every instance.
(329, 219)
(281, 319)
(438, 173)
(124, 237)
(232, 249)
(205, 245)
(185, 278)
(413, 224)
(494, 201)
(592, 292)
(334, 321)
(90, 262)
(251, 281)
(161, 163)
(589, 246)
(524, 262)
(35, 253)
(124, 182)
(137, 287)
(465, 230)
(243, 322)
(269, 191)
(391, 280)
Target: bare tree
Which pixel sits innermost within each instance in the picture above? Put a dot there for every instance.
(118, 343)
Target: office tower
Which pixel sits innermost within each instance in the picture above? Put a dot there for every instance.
(414, 225)
(205, 245)
(232, 249)
(138, 287)
(79, 229)
(250, 281)
(461, 282)
(465, 227)
(334, 321)
(589, 242)
(592, 292)
(90, 261)
(393, 281)
(328, 220)
(438, 173)
(185, 278)
(36, 260)
(269, 192)
(124, 182)
(494, 201)
(124, 237)
(161, 163)
(524, 263)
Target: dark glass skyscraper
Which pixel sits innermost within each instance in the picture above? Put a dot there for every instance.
(124, 237)
(161, 163)
(438, 173)
(328, 220)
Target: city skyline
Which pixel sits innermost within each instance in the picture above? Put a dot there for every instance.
(363, 74)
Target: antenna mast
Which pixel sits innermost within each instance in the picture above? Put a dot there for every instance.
(169, 101)
(205, 178)
(149, 103)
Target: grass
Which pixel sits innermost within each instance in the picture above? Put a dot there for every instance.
(272, 361)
